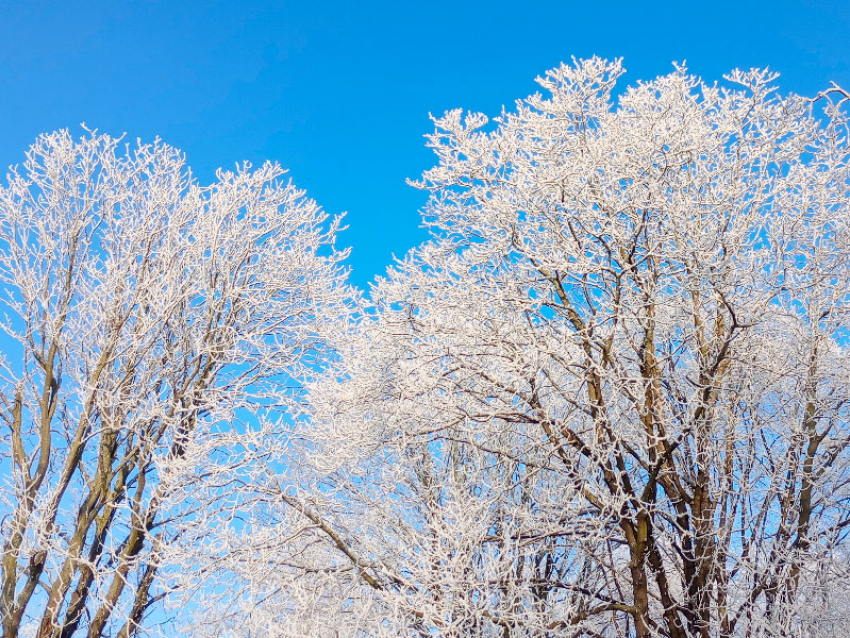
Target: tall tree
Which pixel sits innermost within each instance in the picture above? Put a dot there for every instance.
(609, 397)
(153, 327)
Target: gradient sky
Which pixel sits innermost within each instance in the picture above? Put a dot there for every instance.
(340, 92)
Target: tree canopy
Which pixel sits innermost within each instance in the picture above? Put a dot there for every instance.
(607, 398)
(150, 324)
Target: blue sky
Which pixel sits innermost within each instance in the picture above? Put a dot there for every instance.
(339, 92)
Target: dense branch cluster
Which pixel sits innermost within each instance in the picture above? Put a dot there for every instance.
(150, 324)
(608, 398)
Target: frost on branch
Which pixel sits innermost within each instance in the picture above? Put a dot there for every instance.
(608, 398)
(153, 332)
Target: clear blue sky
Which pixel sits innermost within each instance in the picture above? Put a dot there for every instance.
(339, 92)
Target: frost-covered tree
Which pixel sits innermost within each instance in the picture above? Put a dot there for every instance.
(608, 398)
(153, 330)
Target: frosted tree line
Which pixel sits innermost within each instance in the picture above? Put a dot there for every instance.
(609, 398)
